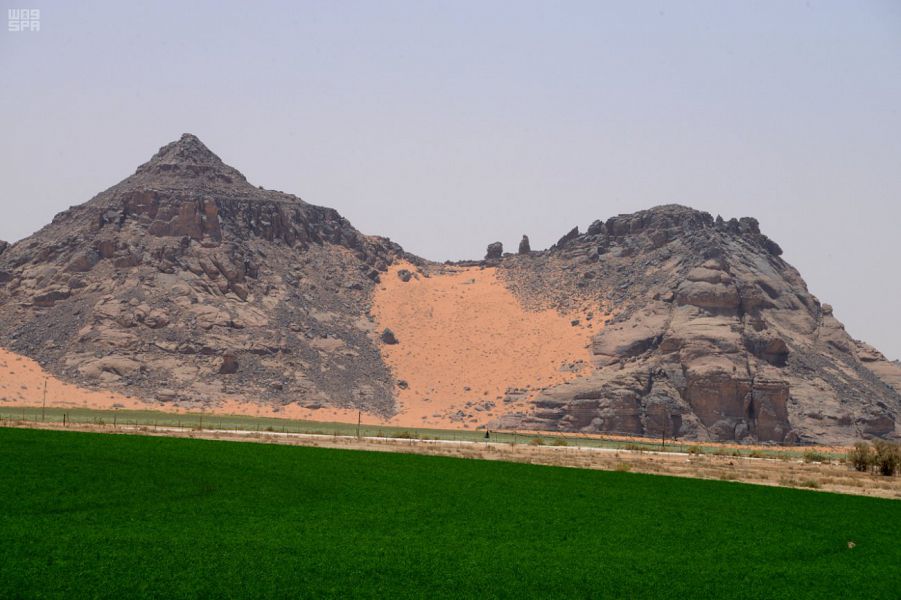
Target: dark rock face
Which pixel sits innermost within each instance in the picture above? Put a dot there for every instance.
(570, 236)
(388, 337)
(495, 251)
(524, 247)
(712, 336)
(3, 246)
(229, 364)
(184, 271)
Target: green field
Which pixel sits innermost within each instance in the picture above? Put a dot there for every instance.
(123, 516)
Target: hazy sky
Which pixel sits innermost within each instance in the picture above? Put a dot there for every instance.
(448, 125)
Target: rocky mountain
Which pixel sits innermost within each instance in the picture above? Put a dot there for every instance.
(712, 335)
(186, 284)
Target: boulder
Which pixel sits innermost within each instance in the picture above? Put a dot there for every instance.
(495, 251)
(596, 228)
(83, 261)
(111, 367)
(524, 247)
(712, 296)
(229, 364)
(570, 236)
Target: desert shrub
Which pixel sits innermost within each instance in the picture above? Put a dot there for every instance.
(404, 435)
(536, 441)
(887, 457)
(634, 447)
(560, 442)
(814, 456)
(695, 450)
(622, 467)
(810, 483)
(757, 454)
(861, 456)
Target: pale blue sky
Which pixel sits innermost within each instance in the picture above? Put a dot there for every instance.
(448, 125)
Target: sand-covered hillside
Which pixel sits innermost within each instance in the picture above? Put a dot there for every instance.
(467, 351)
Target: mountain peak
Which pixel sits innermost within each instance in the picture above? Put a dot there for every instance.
(188, 160)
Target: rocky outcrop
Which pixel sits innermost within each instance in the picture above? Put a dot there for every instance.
(495, 251)
(184, 273)
(229, 365)
(524, 247)
(711, 336)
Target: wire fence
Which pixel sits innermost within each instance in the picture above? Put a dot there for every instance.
(155, 420)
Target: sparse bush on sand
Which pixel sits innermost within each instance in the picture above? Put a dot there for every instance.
(536, 441)
(811, 456)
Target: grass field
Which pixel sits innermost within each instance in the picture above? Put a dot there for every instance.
(122, 516)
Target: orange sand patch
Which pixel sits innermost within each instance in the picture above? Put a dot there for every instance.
(22, 384)
(464, 338)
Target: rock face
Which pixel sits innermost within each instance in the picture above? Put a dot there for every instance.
(184, 273)
(495, 251)
(712, 336)
(524, 247)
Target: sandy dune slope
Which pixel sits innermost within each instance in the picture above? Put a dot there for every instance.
(467, 350)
